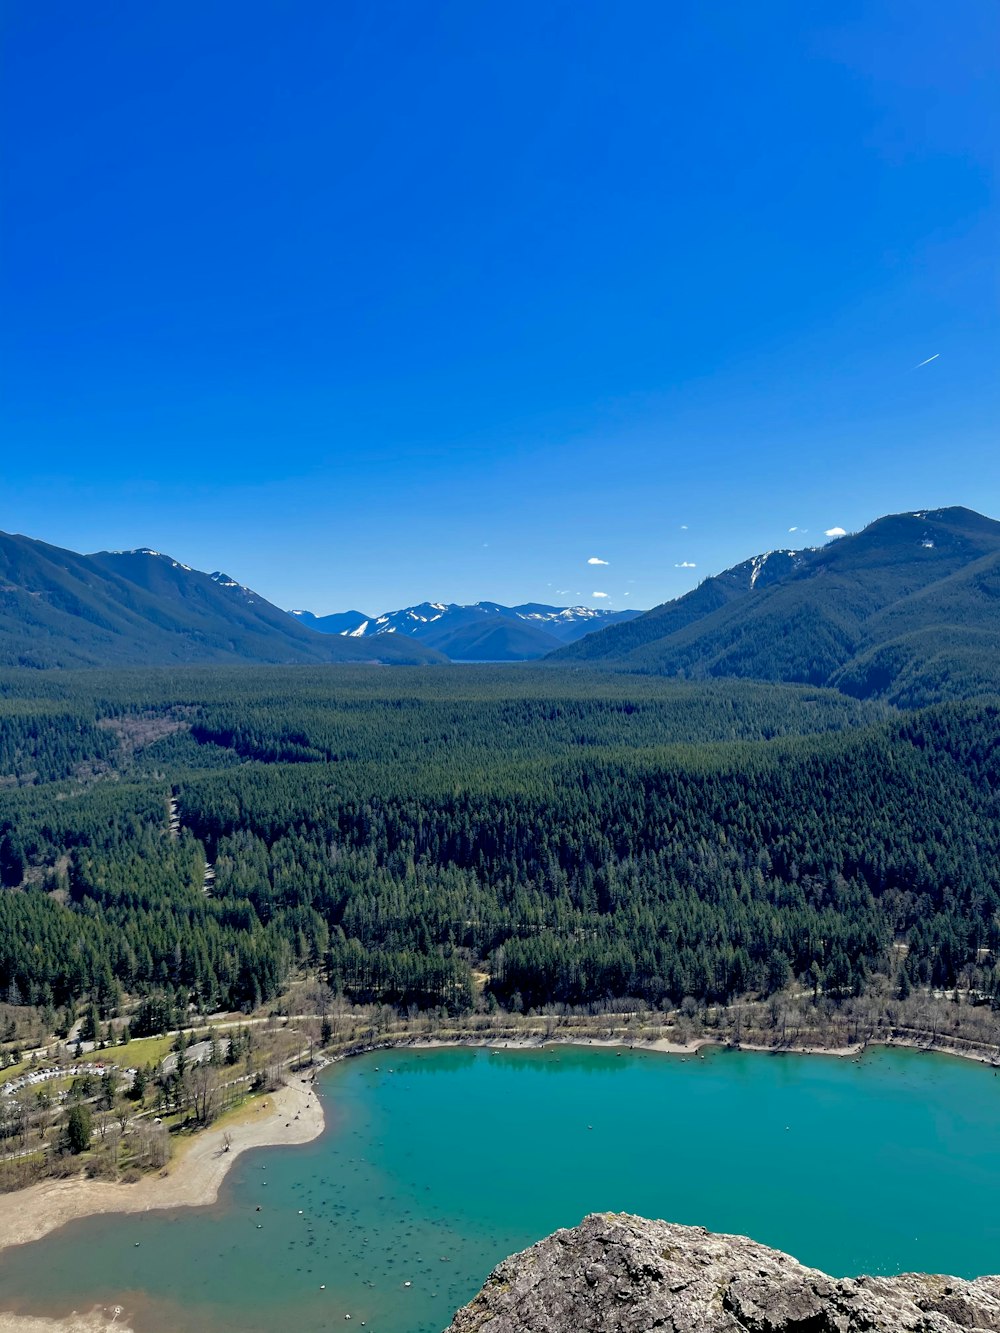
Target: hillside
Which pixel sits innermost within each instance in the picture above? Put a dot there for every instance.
(480, 632)
(410, 824)
(904, 610)
(139, 608)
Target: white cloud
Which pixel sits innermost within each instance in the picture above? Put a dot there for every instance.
(562, 592)
(686, 564)
(599, 594)
(793, 529)
(927, 362)
(596, 560)
(836, 532)
(684, 527)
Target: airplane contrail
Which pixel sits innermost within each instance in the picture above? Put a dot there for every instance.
(927, 362)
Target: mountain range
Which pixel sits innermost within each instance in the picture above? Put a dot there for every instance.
(907, 610)
(144, 608)
(139, 608)
(482, 632)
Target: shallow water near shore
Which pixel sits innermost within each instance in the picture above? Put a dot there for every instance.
(436, 1164)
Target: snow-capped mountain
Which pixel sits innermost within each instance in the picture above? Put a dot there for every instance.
(351, 624)
(484, 631)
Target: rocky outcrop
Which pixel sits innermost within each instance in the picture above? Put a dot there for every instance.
(620, 1274)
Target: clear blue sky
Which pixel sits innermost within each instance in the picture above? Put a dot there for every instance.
(371, 302)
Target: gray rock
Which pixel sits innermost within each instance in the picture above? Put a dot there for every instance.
(620, 1274)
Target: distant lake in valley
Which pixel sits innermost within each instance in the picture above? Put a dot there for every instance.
(436, 1164)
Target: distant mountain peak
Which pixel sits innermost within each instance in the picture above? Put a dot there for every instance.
(480, 631)
(159, 555)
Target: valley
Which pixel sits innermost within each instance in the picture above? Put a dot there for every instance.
(216, 877)
(499, 668)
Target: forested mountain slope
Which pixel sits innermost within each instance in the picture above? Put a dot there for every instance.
(905, 610)
(61, 609)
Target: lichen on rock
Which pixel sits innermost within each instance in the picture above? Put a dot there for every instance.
(620, 1274)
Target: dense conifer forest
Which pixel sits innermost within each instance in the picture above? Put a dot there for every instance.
(468, 837)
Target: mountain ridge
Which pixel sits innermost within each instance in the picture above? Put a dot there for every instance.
(904, 609)
(59, 608)
(479, 631)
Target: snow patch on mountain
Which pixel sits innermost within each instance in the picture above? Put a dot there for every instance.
(529, 630)
(225, 581)
(148, 550)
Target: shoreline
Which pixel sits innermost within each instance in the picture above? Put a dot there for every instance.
(664, 1046)
(292, 1115)
(194, 1178)
(97, 1320)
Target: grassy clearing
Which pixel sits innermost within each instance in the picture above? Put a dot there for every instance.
(139, 1051)
(14, 1071)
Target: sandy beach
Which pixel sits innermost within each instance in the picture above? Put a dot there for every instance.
(294, 1114)
(667, 1047)
(539, 1043)
(96, 1321)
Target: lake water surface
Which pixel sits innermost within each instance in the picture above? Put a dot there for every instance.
(436, 1164)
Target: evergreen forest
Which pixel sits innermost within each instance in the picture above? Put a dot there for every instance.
(460, 837)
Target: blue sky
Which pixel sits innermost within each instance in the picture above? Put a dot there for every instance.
(373, 302)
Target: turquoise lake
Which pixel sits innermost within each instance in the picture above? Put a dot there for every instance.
(436, 1164)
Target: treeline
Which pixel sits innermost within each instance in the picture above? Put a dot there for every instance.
(429, 837)
(704, 872)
